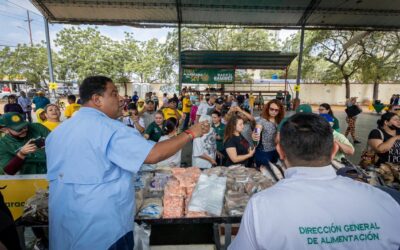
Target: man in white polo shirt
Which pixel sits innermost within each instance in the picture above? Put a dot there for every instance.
(313, 208)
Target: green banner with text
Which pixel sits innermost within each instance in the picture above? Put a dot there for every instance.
(208, 76)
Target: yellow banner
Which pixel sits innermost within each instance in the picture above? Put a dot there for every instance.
(19, 188)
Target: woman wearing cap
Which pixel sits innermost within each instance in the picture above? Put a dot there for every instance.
(52, 113)
(352, 111)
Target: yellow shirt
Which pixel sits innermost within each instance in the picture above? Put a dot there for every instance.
(140, 109)
(186, 105)
(38, 112)
(71, 109)
(251, 100)
(51, 125)
(168, 113)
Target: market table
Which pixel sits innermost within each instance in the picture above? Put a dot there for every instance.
(204, 230)
(191, 230)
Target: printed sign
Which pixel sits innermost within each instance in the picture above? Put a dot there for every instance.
(208, 76)
(16, 189)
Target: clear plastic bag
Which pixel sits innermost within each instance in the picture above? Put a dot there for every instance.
(141, 237)
(208, 195)
(152, 208)
(36, 208)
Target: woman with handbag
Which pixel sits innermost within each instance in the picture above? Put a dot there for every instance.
(385, 140)
(352, 111)
(271, 116)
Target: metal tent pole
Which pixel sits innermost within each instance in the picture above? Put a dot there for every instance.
(179, 17)
(179, 56)
(49, 57)
(300, 61)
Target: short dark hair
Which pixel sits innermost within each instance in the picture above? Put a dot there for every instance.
(132, 106)
(72, 98)
(307, 140)
(215, 112)
(93, 85)
(170, 125)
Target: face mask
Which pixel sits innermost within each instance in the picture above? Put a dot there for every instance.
(392, 127)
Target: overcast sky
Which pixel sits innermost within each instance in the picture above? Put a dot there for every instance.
(14, 27)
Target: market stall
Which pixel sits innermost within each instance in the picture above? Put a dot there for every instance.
(192, 203)
(217, 70)
(182, 206)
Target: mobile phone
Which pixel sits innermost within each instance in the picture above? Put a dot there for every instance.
(39, 142)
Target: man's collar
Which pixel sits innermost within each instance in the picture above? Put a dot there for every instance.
(316, 173)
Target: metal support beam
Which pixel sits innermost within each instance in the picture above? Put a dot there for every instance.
(300, 61)
(179, 56)
(179, 13)
(49, 57)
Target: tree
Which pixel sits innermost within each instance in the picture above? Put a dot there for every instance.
(381, 58)
(84, 52)
(29, 62)
(344, 62)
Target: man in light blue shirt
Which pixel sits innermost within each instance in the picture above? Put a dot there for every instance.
(91, 159)
(313, 208)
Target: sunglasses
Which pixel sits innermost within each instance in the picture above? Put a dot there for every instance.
(273, 110)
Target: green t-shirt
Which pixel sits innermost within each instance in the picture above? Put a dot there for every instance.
(34, 163)
(220, 130)
(342, 139)
(154, 132)
(336, 124)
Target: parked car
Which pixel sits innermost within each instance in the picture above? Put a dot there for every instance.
(4, 95)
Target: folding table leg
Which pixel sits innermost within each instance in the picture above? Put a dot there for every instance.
(21, 236)
(217, 237)
(228, 235)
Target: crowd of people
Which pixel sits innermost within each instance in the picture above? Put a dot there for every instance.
(236, 136)
(224, 129)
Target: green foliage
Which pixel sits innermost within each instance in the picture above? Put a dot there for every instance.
(29, 62)
(82, 52)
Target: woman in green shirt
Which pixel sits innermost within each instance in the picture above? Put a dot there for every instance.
(155, 129)
(325, 108)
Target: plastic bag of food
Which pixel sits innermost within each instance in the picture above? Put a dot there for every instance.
(141, 236)
(173, 188)
(36, 208)
(158, 182)
(152, 208)
(218, 171)
(208, 195)
(235, 202)
(173, 206)
(142, 180)
(138, 200)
